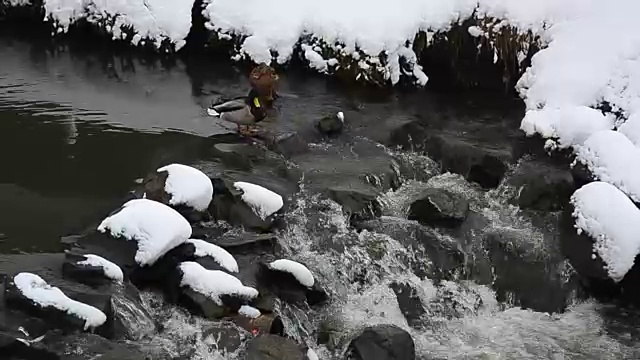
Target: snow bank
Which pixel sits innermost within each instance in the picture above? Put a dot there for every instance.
(605, 214)
(156, 227)
(34, 288)
(155, 20)
(188, 186)
(262, 201)
(220, 255)
(111, 270)
(299, 271)
(612, 158)
(249, 311)
(214, 283)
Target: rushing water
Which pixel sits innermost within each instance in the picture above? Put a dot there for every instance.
(76, 131)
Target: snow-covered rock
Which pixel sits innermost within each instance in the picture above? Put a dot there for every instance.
(92, 270)
(220, 255)
(612, 221)
(249, 311)
(299, 271)
(111, 270)
(43, 295)
(214, 284)
(156, 228)
(187, 186)
(612, 157)
(262, 201)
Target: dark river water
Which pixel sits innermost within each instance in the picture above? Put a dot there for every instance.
(78, 129)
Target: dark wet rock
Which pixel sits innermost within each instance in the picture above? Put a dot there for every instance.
(90, 346)
(479, 162)
(237, 155)
(382, 342)
(86, 274)
(263, 324)
(358, 204)
(225, 335)
(246, 241)
(330, 333)
(273, 347)
(443, 257)
(454, 300)
(409, 303)
(131, 319)
(227, 205)
(157, 274)
(288, 145)
(286, 287)
(439, 207)
(541, 185)
(331, 125)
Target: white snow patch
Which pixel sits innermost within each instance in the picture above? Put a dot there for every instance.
(316, 61)
(475, 31)
(612, 158)
(111, 270)
(214, 283)
(299, 271)
(156, 227)
(34, 288)
(606, 214)
(188, 186)
(311, 355)
(262, 201)
(249, 311)
(220, 255)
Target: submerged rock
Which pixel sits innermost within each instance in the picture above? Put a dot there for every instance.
(358, 204)
(382, 342)
(290, 283)
(409, 303)
(439, 207)
(331, 125)
(541, 185)
(272, 347)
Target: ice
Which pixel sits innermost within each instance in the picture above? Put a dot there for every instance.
(606, 214)
(299, 271)
(214, 283)
(111, 270)
(34, 288)
(156, 228)
(262, 201)
(188, 186)
(220, 255)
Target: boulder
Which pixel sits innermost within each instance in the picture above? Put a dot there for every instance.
(273, 347)
(331, 125)
(541, 185)
(91, 270)
(409, 303)
(358, 203)
(225, 336)
(382, 342)
(439, 207)
(477, 160)
(454, 300)
(288, 287)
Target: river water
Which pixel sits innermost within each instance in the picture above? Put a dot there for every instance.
(78, 128)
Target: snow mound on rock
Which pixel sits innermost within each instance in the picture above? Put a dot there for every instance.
(220, 255)
(111, 270)
(262, 201)
(299, 271)
(188, 186)
(214, 283)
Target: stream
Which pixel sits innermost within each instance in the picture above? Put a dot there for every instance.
(78, 128)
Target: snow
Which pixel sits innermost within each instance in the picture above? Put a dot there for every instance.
(249, 311)
(34, 288)
(613, 158)
(262, 201)
(111, 270)
(156, 228)
(220, 255)
(188, 186)
(299, 271)
(214, 283)
(475, 31)
(605, 214)
(311, 355)
(153, 19)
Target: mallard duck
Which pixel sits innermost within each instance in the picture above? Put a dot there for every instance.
(245, 112)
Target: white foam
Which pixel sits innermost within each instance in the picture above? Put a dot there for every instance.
(262, 201)
(214, 283)
(155, 227)
(188, 186)
(34, 288)
(299, 271)
(111, 270)
(220, 255)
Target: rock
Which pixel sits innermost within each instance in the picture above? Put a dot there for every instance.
(225, 336)
(273, 347)
(382, 342)
(237, 155)
(90, 346)
(409, 303)
(331, 125)
(263, 324)
(76, 268)
(358, 204)
(439, 207)
(288, 145)
(477, 160)
(286, 287)
(131, 320)
(541, 185)
(454, 300)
